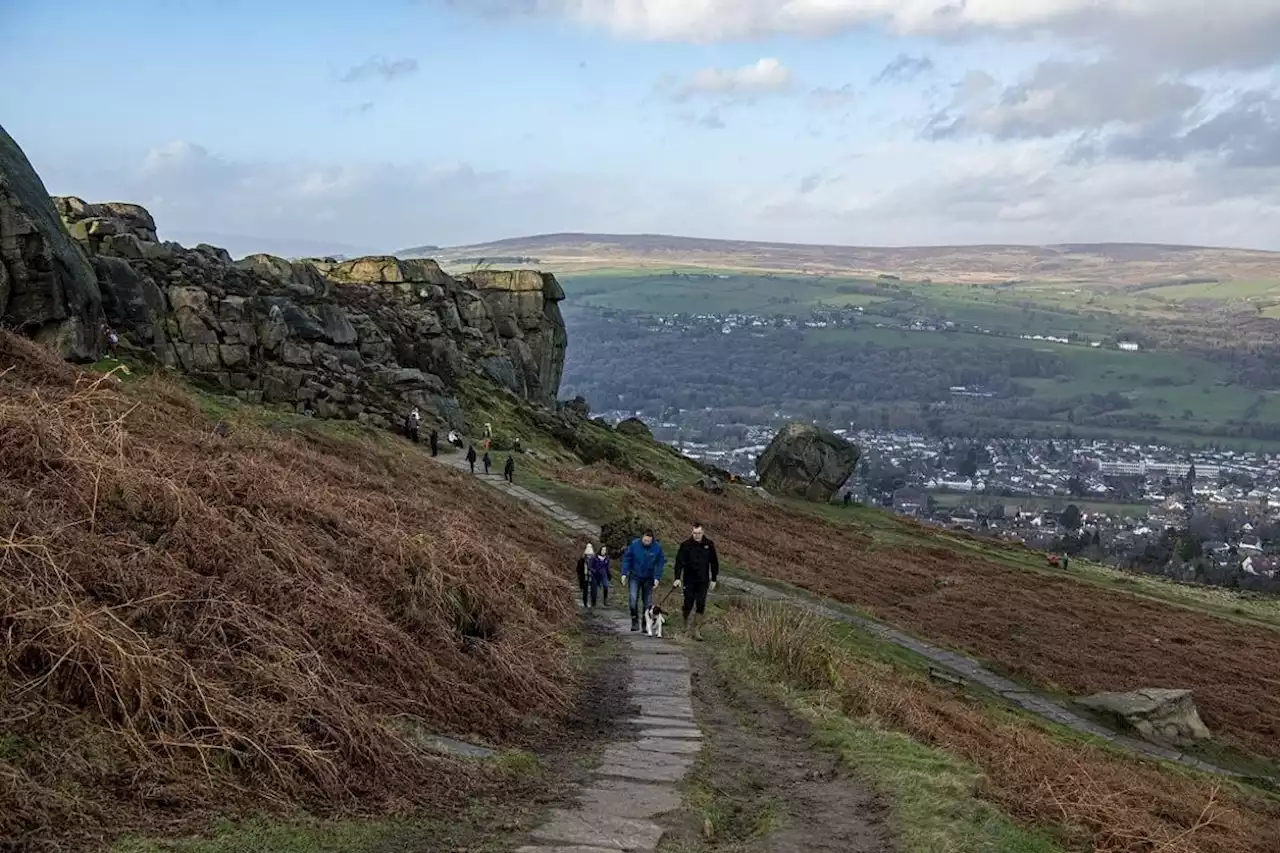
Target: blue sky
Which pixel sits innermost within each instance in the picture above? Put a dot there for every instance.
(387, 123)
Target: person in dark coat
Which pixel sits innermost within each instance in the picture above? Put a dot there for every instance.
(488, 463)
(584, 571)
(435, 442)
(697, 569)
(509, 470)
(599, 569)
(471, 458)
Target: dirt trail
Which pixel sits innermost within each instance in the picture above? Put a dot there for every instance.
(772, 789)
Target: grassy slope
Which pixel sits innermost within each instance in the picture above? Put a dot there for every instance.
(232, 626)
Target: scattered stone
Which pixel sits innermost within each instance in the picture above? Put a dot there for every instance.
(1162, 716)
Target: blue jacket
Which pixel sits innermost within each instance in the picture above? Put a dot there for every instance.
(644, 563)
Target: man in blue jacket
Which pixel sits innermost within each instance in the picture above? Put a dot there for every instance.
(642, 565)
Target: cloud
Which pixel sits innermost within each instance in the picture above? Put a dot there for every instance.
(1244, 134)
(1186, 33)
(903, 68)
(387, 69)
(832, 99)
(1061, 97)
(766, 76)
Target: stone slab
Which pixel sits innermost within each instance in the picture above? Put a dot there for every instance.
(624, 798)
(668, 746)
(628, 763)
(663, 723)
(599, 830)
(681, 734)
(664, 706)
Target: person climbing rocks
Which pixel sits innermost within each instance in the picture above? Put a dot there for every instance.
(642, 565)
(113, 341)
(435, 442)
(600, 576)
(584, 572)
(509, 470)
(488, 462)
(471, 458)
(697, 570)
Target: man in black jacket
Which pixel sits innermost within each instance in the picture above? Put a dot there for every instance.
(697, 569)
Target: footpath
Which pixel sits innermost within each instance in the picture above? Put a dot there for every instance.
(640, 771)
(960, 665)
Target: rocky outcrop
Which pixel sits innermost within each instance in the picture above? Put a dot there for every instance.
(48, 290)
(804, 461)
(364, 338)
(1162, 716)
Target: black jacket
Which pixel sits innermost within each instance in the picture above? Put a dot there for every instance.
(696, 562)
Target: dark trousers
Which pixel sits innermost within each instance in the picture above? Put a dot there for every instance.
(582, 586)
(695, 597)
(435, 448)
(599, 585)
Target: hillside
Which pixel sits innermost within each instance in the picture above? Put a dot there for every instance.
(1128, 263)
(198, 624)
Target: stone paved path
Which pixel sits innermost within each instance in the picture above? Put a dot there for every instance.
(1043, 706)
(640, 771)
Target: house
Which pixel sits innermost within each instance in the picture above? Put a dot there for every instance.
(1128, 346)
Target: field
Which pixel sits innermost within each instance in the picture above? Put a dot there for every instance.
(1128, 263)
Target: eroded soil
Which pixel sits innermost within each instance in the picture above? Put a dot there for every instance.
(762, 787)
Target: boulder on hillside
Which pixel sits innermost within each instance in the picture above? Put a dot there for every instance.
(1162, 716)
(48, 289)
(807, 462)
(711, 485)
(634, 427)
(617, 533)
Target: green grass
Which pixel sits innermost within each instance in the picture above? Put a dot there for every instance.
(931, 793)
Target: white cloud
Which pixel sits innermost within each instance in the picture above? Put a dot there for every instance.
(765, 76)
(1190, 33)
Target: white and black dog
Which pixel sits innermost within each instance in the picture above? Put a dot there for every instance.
(653, 619)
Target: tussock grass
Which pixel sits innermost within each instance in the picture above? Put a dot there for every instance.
(195, 624)
(1093, 798)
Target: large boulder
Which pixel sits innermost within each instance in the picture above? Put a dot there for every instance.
(1162, 716)
(48, 289)
(807, 462)
(634, 427)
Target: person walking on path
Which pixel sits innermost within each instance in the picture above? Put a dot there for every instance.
(413, 424)
(488, 463)
(697, 569)
(642, 564)
(584, 572)
(471, 458)
(600, 576)
(435, 442)
(509, 470)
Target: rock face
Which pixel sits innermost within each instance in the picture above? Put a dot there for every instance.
(364, 338)
(1162, 716)
(806, 462)
(47, 287)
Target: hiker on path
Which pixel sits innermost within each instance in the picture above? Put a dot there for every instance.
(413, 424)
(600, 576)
(509, 470)
(488, 463)
(584, 572)
(435, 442)
(471, 458)
(697, 569)
(642, 565)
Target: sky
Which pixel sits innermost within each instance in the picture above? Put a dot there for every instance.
(382, 124)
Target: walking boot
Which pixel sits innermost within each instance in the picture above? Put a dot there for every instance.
(635, 621)
(693, 627)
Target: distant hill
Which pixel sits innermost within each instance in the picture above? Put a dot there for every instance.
(1129, 263)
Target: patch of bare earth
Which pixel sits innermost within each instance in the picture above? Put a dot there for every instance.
(767, 788)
